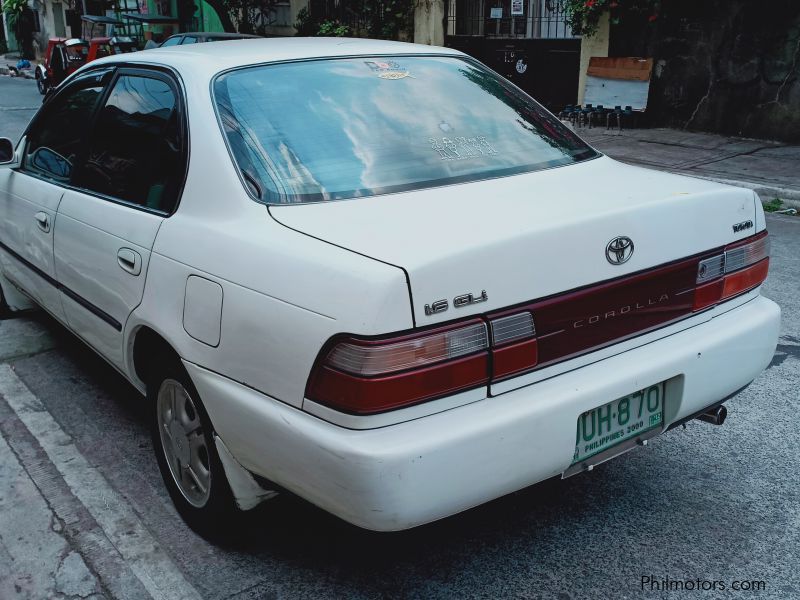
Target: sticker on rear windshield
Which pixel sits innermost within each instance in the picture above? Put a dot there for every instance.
(387, 69)
(460, 148)
(394, 75)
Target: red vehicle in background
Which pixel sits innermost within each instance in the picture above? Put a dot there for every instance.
(108, 46)
(64, 56)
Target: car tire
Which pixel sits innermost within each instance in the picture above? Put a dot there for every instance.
(183, 440)
(41, 84)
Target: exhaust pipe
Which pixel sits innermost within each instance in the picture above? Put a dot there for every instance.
(715, 416)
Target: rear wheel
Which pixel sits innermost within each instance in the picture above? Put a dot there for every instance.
(187, 457)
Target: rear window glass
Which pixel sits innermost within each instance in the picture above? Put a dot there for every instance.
(344, 128)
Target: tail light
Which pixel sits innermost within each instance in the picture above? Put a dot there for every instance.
(372, 375)
(514, 345)
(739, 268)
(367, 376)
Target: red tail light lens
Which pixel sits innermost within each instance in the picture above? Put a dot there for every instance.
(514, 359)
(740, 268)
(514, 347)
(709, 294)
(746, 279)
(370, 358)
(370, 376)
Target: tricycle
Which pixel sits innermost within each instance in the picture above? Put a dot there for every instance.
(64, 56)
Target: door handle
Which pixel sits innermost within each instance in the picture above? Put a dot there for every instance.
(43, 220)
(129, 260)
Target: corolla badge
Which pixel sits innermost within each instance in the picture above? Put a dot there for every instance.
(619, 250)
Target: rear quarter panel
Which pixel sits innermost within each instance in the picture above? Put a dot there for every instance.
(284, 293)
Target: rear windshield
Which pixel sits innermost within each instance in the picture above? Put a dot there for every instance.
(344, 128)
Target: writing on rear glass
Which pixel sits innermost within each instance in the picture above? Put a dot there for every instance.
(461, 147)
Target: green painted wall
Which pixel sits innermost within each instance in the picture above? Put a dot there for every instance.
(209, 21)
(206, 16)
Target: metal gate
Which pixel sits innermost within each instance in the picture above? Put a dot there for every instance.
(527, 41)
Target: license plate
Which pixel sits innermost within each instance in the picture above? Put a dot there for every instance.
(605, 426)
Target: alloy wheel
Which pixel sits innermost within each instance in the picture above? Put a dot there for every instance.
(184, 442)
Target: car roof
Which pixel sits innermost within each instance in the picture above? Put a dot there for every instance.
(222, 35)
(206, 60)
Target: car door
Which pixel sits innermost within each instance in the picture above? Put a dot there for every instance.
(126, 184)
(31, 193)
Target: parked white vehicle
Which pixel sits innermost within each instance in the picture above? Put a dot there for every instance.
(375, 275)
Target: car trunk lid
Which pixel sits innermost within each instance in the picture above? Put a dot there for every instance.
(488, 245)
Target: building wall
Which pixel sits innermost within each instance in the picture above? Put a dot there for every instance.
(429, 22)
(207, 16)
(46, 11)
(596, 45)
(726, 66)
(47, 23)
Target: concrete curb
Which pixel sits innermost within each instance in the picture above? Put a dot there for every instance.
(789, 197)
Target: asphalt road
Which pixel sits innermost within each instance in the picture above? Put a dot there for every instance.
(19, 101)
(705, 503)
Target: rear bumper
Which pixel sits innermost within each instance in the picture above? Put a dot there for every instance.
(404, 475)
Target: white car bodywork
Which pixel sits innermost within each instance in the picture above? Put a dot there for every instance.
(247, 295)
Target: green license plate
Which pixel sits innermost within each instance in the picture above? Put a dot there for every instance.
(605, 426)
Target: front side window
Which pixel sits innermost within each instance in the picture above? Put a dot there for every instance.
(56, 138)
(135, 151)
(173, 41)
(352, 127)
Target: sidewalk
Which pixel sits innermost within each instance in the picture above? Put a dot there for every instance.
(8, 67)
(772, 169)
(38, 557)
(65, 530)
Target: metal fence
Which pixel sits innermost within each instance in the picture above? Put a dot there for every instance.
(533, 19)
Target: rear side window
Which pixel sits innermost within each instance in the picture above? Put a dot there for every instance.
(135, 151)
(353, 127)
(173, 41)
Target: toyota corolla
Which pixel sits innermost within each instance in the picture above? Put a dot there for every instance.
(374, 275)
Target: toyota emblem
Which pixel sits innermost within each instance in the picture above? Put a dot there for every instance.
(619, 250)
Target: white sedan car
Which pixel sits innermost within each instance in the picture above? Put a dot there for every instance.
(375, 275)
